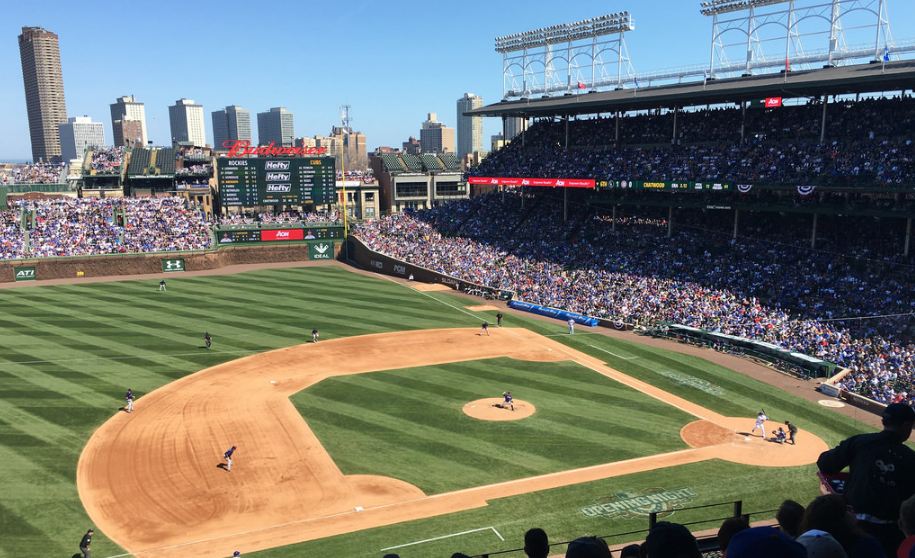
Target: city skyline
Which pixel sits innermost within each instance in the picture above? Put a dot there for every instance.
(386, 104)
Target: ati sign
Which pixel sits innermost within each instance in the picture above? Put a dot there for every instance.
(173, 265)
(24, 273)
(321, 251)
(641, 503)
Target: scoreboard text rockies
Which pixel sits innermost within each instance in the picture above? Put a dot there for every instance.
(249, 182)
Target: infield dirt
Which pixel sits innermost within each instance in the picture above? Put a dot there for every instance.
(152, 480)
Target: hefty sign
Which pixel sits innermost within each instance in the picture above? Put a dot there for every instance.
(537, 182)
(283, 234)
(773, 102)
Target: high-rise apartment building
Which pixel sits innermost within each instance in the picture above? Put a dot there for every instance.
(232, 123)
(127, 108)
(39, 51)
(512, 126)
(186, 120)
(275, 125)
(469, 128)
(78, 133)
(435, 137)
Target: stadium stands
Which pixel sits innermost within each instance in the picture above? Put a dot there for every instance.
(450, 161)
(83, 227)
(865, 143)
(393, 163)
(139, 162)
(103, 160)
(35, 173)
(412, 162)
(783, 294)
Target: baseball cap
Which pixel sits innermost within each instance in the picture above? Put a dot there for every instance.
(588, 547)
(899, 412)
(631, 551)
(764, 542)
(820, 544)
(671, 539)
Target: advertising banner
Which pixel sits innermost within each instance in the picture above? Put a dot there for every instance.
(563, 315)
(282, 235)
(668, 186)
(172, 265)
(321, 251)
(534, 182)
(24, 273)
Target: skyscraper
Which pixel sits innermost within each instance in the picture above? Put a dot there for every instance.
(78, 133)
(124, 109)
(232, 123)
(512, 126)
(469, 128)
(435, 137)
(44, 90)
(275, 125)
(186, 120)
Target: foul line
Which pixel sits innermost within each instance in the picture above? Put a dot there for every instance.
(424, 293)
(445, 537)
(611, 352)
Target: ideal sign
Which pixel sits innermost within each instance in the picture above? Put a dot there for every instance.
(321, 251)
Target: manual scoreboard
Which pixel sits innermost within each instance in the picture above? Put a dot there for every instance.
(248, 182)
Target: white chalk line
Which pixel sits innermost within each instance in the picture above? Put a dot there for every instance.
(612, 353)
(424, 293)
(443, 537)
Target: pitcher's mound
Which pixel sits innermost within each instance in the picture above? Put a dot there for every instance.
(485, 409)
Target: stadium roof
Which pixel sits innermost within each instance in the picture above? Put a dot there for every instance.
(860, 78)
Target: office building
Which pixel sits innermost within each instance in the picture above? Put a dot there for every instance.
(435, 137)
(276, 125)
(186, 120)
(469, 128)
(512, 126)
(232, 123)
(411, 146)
(124, 109)
(353, 147)
(78, 133)
(43, 78)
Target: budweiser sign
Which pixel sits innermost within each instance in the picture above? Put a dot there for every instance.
(243, 148)
(537, 182)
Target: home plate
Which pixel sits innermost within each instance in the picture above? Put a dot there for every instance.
(274, 382)
(359, 508)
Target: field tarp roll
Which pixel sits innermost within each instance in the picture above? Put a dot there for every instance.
(563, 315)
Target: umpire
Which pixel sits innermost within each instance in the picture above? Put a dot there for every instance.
(881, 474)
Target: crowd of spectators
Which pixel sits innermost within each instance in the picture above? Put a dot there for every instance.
(195, 170)
(34, 173)
(866, 143)
(288, 217)
(84, 227)
(784, 294)
(107, 160)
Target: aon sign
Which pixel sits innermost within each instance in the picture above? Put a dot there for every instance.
(173, 264)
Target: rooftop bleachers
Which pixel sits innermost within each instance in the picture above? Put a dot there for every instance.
(139, 162)
(393, 163)
(413, 162)
(165, 160)
(431, 162)
(450, 161)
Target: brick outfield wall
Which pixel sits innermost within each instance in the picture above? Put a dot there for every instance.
(103, 266)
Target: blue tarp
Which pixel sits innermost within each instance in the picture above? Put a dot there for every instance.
(553, 313)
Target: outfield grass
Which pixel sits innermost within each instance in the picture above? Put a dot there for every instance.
(69, 353)
(408, 423)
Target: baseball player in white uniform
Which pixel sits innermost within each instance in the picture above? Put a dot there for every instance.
(761, 419)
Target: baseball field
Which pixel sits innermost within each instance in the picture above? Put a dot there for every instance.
(361, 443)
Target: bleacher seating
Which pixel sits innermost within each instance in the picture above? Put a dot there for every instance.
(431, 162)
(413, 162)
(393, 163)
(165, 160)
(139, 162)
(450, 161)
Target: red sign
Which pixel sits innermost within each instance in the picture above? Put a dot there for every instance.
(243, 148)
(282, 234)
(538, 182)
(773, 102)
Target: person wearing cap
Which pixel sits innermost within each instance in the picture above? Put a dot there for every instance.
(536, 543)
(881, 474)
(588, 547)
(764, 542)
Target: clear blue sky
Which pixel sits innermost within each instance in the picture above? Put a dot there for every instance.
(392, 61)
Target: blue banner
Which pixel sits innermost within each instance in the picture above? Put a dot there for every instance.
(553, 313)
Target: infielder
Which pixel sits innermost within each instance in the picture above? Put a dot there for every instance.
(508, 400)
(571, 326)
(128, 397)
(484, 329)
(761, 419)
(228, 456)
(85, 544)
(207, 340)
(314, 335)
(162, 285)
